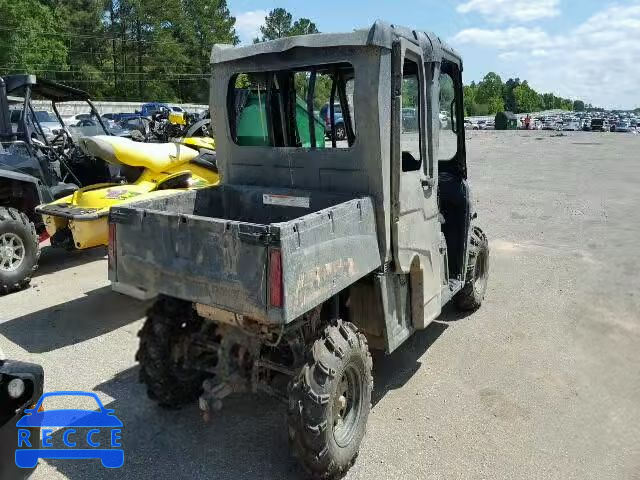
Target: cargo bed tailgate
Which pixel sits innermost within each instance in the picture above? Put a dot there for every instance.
(195, 258)
(264, 253)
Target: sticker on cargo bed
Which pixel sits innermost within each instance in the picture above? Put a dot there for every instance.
(69, 434)
(285, 200)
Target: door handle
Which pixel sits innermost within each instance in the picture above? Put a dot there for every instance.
(427, 182)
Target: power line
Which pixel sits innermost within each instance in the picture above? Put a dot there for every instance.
(84, 35)
(162, 80)
(36, 70)
(106, 72)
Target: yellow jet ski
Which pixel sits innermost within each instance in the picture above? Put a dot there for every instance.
(79, 221)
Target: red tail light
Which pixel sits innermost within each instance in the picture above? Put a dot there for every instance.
(275, 279)
(111, 249)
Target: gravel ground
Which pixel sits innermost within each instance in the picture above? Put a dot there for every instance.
(542, 382)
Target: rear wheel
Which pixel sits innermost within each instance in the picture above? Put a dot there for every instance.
(341, 132)
(329, 402)
(472, 294)
(161, 353)
(19, 250)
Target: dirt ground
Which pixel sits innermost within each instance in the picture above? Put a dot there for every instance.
(542, 382)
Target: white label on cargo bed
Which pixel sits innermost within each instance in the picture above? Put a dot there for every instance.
(285, 200)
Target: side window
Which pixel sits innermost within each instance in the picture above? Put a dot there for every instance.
(410, 129)
(448, 121)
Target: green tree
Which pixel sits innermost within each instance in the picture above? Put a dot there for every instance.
(495, 105)
(88, 53)
(303, 26)
(31, 38)
(279, 24)
(526, 99)
(578, 106)
(469, 99)
(508, 96)
(489, 88)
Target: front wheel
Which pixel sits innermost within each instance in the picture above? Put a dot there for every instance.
(341, 132)
(329, 402)
(472, 294)
(19, 250)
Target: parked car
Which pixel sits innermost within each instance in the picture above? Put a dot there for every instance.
(599, 125)
(75, 119)
(148, 109)
(571, 126)
(469, 125)
(549, 125)
(325, 114)
(409, 119)
(50, 125)
(623, 127)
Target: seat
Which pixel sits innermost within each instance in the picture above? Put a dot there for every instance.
(156, 157)
(207, 159)
(62, 189)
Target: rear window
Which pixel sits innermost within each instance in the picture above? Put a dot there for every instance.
(292, 108)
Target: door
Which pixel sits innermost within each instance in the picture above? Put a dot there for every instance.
(415, 223)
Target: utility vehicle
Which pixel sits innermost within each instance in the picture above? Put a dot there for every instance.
(282, 278)
(79, 221)
(37, 165)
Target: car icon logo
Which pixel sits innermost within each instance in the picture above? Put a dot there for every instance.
(76, 443)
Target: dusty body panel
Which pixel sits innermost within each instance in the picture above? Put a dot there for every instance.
(212, 246)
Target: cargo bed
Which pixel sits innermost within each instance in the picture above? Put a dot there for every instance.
(270, 254)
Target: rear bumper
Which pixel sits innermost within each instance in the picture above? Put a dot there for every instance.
(86, 233)
(66, 210)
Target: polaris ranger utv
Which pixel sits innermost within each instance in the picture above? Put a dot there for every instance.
(37, 165)
(282, 278)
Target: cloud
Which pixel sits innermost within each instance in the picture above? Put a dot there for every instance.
(503, 39)
(248, 24)
(509, 56)
(598, 61)
(511, 10)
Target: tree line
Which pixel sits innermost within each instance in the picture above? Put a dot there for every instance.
(160, 50)
(491, 96)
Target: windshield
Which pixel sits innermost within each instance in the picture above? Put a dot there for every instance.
(84, 125)
(43, 116)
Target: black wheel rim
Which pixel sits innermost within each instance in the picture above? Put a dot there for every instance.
(347, 406)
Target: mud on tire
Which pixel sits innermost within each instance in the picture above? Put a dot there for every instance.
(19, 233)
(472, 294)
(325, 425)
(168, 323)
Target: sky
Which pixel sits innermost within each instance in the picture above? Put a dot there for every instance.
(578, 49)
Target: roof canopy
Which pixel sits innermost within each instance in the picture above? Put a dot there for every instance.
(380, 34)
(41, 87)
